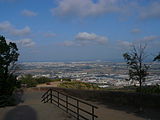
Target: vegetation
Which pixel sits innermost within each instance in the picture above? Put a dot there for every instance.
(62, 79)
(154, 89)
(119, 98)
(8, 58)
(67, 83)
(30, 81)
(138, 70)
(125, 89)
(79, 85)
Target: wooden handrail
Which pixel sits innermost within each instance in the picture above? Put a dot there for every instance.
(76, 99)
(49, 96)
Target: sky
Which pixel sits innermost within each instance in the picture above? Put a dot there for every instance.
(80, 30)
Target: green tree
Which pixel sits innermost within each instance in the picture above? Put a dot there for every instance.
(28, 80)
(135, 59)
(41, 80)
(8, 59)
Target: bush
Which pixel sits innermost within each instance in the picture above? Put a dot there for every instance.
(33, 82)
(78, 85)
(7, 100)
(154, 89)
(29, 80)
(42, 80)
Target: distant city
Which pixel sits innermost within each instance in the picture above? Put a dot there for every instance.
(104, 74)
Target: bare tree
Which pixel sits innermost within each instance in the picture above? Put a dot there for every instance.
(157, 58)
(135, 60)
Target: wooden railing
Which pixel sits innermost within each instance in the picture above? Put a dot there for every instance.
(76, 107)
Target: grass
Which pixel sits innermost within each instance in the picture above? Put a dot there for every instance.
(122, 89)
(79, 85)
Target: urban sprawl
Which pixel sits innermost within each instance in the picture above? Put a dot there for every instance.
(104, 74)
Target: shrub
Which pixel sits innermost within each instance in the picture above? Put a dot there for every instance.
(41, 80)
(29, 80)
(7, 100)
(154, 89)
(78, 85)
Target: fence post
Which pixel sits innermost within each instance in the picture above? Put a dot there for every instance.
(67, 103)
(47, 97)
(92, 113)
(51, 95)
(77, 109)
(58, 98)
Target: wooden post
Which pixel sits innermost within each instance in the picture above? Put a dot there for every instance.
(51, 95)
(77, 109)
(67, 103)
(58, 98)
(92, 113)
(47, 97)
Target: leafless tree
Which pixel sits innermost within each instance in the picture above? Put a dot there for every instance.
(135, 60)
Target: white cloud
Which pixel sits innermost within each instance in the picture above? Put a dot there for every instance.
(21, 32)
(10, 29)
(124, 44)
(84, 38)
(85, 8)
(48, 35)
(135, 30)
(28, 13)
(145, 40)
(150, 11)
(149, 38)
(25, 42)
(5, 26)
(68, 43)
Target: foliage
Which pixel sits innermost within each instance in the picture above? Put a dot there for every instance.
(126, 89)
(7, 100)
(41, 80)
(78, 85)
(138, 70)
(28, 80)
(154, 89)
(8, 59)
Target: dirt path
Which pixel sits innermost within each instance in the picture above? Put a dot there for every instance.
(111, 112)
(33, 109)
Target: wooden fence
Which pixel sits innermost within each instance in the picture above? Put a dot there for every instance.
(76, 107)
